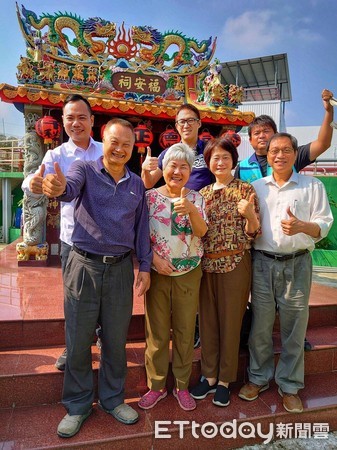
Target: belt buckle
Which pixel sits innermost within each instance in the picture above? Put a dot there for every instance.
(108, 259)
(278, 256)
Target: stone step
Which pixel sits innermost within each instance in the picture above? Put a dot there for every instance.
(43, 332)
(29, 377)
(21, 334)
(34, 427)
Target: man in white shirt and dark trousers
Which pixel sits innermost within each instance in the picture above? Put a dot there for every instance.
(294, 213)
(78, 121)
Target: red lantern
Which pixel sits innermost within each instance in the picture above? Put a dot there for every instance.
(232, 136)
(169, 137)
(205, 135)
(48, 128)
(144, 138)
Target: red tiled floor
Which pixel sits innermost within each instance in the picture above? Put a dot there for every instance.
(37, 293)
(35, 427)
(34, 292)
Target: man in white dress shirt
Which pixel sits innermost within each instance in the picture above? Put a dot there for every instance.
(78, 121)
(294, 214)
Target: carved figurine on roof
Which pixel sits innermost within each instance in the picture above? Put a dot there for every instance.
(214, 93)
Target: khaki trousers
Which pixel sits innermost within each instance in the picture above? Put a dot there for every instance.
(223, 302)
(171, 302)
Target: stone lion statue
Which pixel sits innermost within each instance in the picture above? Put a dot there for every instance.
(24, 251)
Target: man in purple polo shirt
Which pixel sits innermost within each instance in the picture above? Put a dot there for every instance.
(111, 221)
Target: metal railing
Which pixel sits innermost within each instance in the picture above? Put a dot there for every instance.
(11, 156)
(326, 167)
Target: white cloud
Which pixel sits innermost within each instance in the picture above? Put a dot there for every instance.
(250, 31)
(258, 32)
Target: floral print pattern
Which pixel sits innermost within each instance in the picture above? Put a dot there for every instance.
(171, 235)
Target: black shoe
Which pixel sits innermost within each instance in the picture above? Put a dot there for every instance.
(307, 345)
(221, 397)
(61, 361)
(202, 389)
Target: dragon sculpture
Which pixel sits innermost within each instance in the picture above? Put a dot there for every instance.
(85, 31)
(154, 47)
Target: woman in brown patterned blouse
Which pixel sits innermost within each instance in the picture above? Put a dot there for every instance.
(233, 222)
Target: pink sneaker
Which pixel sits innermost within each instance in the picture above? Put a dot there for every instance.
(151, 398)
(185, 400)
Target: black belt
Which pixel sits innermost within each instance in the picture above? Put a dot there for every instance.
(103, 259)
(279, 257)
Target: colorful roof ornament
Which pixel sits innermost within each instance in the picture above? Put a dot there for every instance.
(138, 71)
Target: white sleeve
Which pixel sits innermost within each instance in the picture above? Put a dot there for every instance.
(321, 212)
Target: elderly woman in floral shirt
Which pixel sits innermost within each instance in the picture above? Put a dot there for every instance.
(177, 223)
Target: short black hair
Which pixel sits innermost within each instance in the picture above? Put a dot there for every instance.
(77, 98)
(122, 122)
(191, 108)
(225, 144)
(262, 120)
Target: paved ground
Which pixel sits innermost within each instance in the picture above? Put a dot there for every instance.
(328, 278)
(324, 277)
(299, 444)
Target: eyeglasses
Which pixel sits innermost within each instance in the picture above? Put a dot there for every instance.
(190, 121)
(285, 151)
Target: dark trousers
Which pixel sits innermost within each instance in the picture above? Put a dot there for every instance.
(64, 254)
(103, 293)
(223, 302)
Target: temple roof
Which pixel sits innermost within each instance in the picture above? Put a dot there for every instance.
(140, 71)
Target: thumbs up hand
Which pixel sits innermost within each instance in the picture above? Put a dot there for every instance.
(292, 225)
(247, 207)
(54, 184)
(151, 162)
(35, 184)
(183, 206)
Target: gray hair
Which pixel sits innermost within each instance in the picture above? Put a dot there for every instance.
(292, 139)
(179, 152)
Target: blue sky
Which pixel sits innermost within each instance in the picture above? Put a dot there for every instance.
(306, 30)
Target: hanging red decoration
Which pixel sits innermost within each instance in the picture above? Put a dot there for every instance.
(144, 138)
(169, 137)
(233, 136)
(48, 128)
(205, 135)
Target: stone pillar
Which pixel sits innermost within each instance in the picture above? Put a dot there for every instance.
(34, 246)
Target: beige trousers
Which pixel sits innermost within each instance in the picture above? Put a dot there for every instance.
(171, 302)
